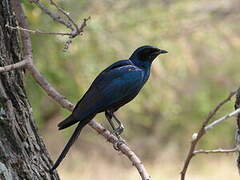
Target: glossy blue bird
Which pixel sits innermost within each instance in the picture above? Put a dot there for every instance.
(113, 87)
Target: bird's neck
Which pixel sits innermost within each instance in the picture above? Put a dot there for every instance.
(145, 65)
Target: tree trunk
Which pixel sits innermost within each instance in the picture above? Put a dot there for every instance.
(22, 152)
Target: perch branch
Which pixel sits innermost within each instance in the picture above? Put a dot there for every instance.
(55, 95)
(200, 133)
(202, 151)
(51, 91)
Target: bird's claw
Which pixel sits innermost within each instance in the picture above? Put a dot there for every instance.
(118, 130)
(118, 143)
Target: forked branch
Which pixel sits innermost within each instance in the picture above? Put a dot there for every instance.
(197, 136)
(76, 30)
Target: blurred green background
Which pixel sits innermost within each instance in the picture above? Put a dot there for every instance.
(201, 68)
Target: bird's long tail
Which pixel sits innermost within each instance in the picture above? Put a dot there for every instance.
(70, 120)
(72, 139)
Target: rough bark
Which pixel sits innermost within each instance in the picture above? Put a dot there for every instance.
(237, 135)
(22, 152)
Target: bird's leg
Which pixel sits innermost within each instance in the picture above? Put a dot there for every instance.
(110, 120)
(120, 127)
(109, 116)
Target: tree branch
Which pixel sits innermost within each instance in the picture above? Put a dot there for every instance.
(214, 123)
(75, 33)
(67, 14)
(69, 23)
(51, 91)
(38, 31)
(55, 95)
(200, 133)
(17, 65)
(220, 150)
(56, 17)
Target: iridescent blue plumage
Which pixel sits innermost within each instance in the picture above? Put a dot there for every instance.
(115, 86)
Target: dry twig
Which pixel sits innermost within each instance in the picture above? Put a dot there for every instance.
(65, 13)
(56, 17)
(214, 123)
(220, 150)
(69, 22)
(51, 91)
(38, 31)
(200, 133)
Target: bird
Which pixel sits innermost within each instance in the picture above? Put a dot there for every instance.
(115, 86)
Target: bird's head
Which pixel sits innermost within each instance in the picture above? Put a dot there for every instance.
(146, 53)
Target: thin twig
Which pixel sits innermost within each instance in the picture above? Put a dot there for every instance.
(200, 133)
(61, 100)
(67, 14)
(202, 151)
(52, 15)
(78, 32)
(83, 24)
(69, 22)
(17, 65)
(214, 123)
(38, 31)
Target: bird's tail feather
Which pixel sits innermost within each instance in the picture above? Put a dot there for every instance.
(67, 122)
(72, 139)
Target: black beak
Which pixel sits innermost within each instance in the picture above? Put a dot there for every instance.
(161, 51)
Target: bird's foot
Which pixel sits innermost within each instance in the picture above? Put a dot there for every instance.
(118, 143)
(118, 130)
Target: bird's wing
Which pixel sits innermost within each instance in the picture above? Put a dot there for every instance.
(114, 85)
(115, 65)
